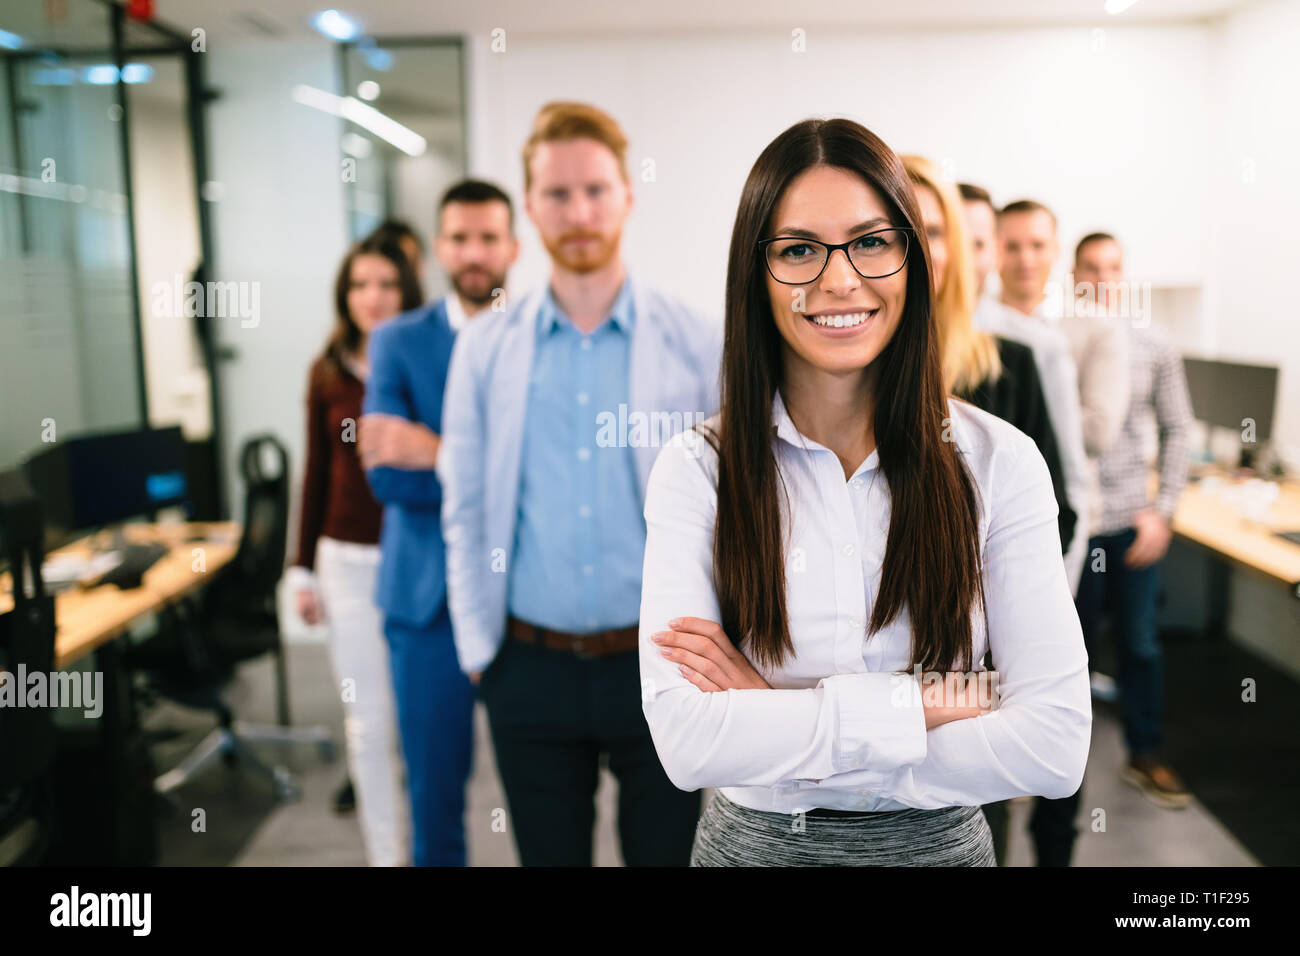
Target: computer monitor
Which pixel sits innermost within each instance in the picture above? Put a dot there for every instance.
(1227, 393)
(94, 480)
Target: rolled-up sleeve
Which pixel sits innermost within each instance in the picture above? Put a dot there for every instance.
(738, 738)
(1036, 742)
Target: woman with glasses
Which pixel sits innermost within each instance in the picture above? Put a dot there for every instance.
(333, 578)
(829, 558)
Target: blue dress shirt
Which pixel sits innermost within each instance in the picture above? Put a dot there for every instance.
(580, 538)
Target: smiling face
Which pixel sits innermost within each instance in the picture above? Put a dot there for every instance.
(1028, 249)
(845, 321)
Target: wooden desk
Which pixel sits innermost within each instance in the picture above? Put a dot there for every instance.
(1205, 518)
(86, 620)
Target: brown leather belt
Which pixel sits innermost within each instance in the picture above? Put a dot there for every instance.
(596, 644)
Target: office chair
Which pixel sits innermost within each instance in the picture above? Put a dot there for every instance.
(27, 735)
(203, 639)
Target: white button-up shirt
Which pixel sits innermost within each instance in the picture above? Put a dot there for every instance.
(456, 316)
(843, 726)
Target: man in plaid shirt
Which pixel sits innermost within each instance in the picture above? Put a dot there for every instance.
(1122, 572)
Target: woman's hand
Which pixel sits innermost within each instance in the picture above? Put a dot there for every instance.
(706, 656)
(309, 608)
(958, 697)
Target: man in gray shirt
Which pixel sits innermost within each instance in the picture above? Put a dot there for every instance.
(1122, 573)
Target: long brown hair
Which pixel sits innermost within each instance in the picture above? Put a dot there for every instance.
(932, 562)
(346, 335)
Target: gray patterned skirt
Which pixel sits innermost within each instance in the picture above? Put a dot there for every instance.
(731, 835)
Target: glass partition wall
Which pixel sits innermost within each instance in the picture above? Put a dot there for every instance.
(99, 209)
(417, 83)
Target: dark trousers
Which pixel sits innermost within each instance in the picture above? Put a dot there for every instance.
(1051, 826)
(1053, 829)
(1130, 597)
(435, 715)
(553, 715)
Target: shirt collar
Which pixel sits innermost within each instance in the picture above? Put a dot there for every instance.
(456, 316)
(622, 314)
(784, 426)
(785, 429)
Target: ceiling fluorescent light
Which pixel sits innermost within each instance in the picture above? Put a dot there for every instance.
(367, 117)
(137, 73)
(103, 74)
(335, 25)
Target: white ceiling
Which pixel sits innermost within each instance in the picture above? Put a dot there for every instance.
(289, 18)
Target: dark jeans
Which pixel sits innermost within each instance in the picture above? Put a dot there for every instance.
(1130, 597)
(553, 715)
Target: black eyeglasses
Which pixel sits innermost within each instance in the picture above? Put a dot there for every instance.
(874, 255)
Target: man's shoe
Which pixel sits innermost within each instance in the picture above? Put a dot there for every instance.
(1103, 687)
(345, 801)
(1157, 782)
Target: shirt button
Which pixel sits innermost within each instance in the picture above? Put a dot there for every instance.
(588, 570)
(855, 623)
(586, 345)
(856, 482)
(584, 454)
(583, 398)
(848, 550)
(584, 512)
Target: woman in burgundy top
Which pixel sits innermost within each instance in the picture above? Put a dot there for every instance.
(333, 577)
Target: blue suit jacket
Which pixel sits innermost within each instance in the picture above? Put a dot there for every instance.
(409, 356)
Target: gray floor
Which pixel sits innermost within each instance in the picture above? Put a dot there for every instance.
(244, 826)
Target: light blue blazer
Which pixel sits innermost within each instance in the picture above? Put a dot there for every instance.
(674, 366)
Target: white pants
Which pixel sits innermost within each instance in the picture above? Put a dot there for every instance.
(345, 573)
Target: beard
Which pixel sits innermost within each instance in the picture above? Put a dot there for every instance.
(588, 257)
(476, 284)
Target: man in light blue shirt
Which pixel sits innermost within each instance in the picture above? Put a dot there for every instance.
(592, 522)
(556, 410)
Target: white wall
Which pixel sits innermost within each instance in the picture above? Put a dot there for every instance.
(1004, 108)
(1252, 212)
(280, 222)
